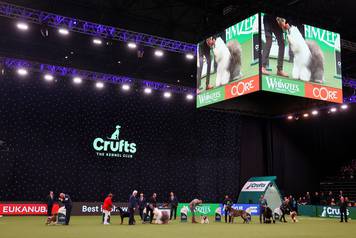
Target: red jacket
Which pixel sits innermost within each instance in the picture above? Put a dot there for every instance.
(107, 204)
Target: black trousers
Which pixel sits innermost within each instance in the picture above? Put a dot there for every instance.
(262, 215)
(173, 212)
(283, 216)
(343, 214)
(272, 28)
(150, 212)
(132, 216)
(68, 212)
(49, 210)
(226, 215)
(141, 213)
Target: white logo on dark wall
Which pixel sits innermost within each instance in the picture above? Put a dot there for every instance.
(113, 146)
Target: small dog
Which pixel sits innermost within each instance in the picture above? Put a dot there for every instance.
(51, 219)
(268, 216)
(308, 62)
(293, 216)
(162, 217)
(204, 220)
(238, 213)
(123, 214)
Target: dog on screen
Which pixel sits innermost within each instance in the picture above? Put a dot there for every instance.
(228, 60)
(308, 62)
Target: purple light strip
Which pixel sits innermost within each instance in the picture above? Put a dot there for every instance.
(13, 63)
(93, 29)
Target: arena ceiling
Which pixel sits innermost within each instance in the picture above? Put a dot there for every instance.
(188, 21)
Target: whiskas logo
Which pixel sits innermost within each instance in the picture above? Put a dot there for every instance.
(280, 85)
(113, 146)
(255, 186)
(244, 27)
(327, 37)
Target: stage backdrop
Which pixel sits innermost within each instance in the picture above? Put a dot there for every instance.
(165, 145)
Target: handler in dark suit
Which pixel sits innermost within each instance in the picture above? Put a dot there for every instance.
(132, 207)
(50, 202)
(141, 205)
(152, 203)
(67, 204)
(173, 203)
(343, 209)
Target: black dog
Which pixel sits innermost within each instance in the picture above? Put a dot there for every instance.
(268, 215)
(123, 214)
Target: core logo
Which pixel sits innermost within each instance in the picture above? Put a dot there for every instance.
(241, 87)
(325, 94)
(113, 146)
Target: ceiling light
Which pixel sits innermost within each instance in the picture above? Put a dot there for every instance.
(77, 80)
(290, 117)
(22, 71)
(148, 90)
(158, 53)
(315, 112)
(306, 115)
(344, 106)
(189, 96)
(63, 31)
(48, 77)
(131, 45)
(99, 85)
(333, 109)
(126, 87)
(167, 94)
(189, 56)
(97, 41)
(22, 26)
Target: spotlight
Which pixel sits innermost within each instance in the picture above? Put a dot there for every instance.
(315, 112)
(126, 87)
(63, 31)
(48, 77)
(99, 85)
(148, 90)
(131, 45)
(290, 117)
(22, 26)
(306, 115)
(22, 71)
(189, 96)
(167, 94)
(77, 80)
(189, 56)
(158, 53)
(44, 30)
(333, 109)
(344, 106)
(97, 41)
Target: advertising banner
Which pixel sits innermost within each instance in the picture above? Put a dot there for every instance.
(227, 58)
(207, 209)
(255, 186)
(20, 209)
(300, 60)
(325, 211)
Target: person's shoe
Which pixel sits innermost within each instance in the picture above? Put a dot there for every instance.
(209, 87)
(265, 71)
(282, 73)
(106, 223)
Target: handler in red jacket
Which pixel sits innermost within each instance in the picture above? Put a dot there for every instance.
(107, 209)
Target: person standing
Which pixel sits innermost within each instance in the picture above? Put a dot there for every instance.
(173, 203)
(192, 206)
(263, 205)
(284, 209)
(274, 26)
(141, 205)
(343, 209)
(107, 206)
(226, 204)
(68, 206)
(152, 203)
(50, 202)
(132, 207)
(204, 51)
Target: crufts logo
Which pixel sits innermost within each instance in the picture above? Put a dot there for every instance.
(113, 146)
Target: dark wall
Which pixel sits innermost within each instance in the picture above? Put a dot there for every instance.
(50, 128)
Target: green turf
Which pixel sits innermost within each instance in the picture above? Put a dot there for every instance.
(89, 226)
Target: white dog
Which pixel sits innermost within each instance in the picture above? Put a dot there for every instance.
(228, 59)
(204, 220)
(162, 217)
(308, 58)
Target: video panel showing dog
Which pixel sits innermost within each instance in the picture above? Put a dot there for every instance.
(300, 60)
(228, 63)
